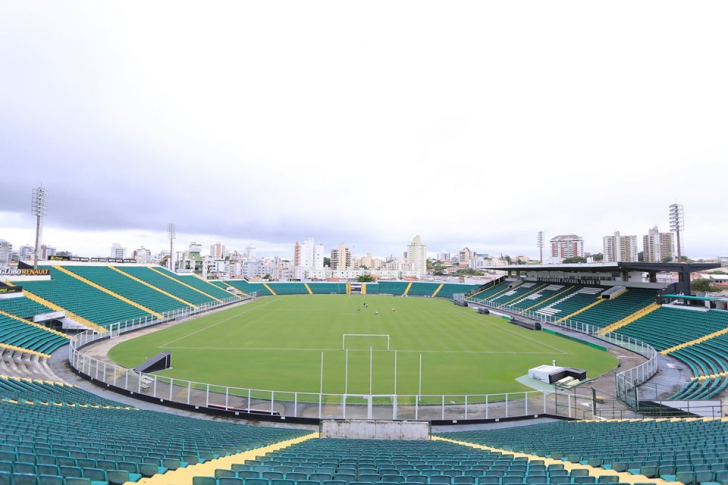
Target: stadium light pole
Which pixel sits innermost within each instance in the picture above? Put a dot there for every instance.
(539, 244)
(172, 233)
(677, 224)
(38, 208)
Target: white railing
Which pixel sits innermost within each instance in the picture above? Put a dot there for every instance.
(312, 405)
(116, 329)
(317, 406)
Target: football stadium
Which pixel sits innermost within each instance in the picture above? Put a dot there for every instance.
(438, 244)
(581, 373)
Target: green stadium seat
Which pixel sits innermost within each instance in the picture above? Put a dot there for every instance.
(50, 480)
(24, 479)
(204, 481)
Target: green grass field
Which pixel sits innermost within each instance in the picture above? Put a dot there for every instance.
(276, 343)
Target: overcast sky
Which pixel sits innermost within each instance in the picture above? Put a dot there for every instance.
(469, 123)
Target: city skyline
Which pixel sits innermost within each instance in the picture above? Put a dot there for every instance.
(475, 125)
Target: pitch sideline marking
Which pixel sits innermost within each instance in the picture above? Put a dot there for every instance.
(248, 310)
(277, 349)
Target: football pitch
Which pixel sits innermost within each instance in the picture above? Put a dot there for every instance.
(276, 343)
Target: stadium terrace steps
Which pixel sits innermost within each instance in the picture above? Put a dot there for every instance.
(396, 288)
(541, 302)
(42, 327)
(448, 290)
(629, 319)
(406, 291)
(206, 294)
(438, 290)
(148, 285)
(420, 288)
(73, 295)
(114, 444)
(108, 291)
(208, 287)
(696, 341)
(390, 462)
(591, 305)
(293, 288)
(573, 470)
(370, 288)
(214, 468)
(21, 333)
(25, 363)
(245, 286)
(269, 289)
(654, 448)
(517, 292)
(614, 309)
(69, 314)
(329, 288)
(13, 349)
(573, 301)
(492, 292)
(170, 286)
(489, 291)
(22, 389)
(23, 307)
(529, 292)
(308, 288)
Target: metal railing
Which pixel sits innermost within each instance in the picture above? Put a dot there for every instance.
(317, 406)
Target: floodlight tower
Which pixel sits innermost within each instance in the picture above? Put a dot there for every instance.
(38, 208)
(677, 224)
(539, 244)
(172, 233)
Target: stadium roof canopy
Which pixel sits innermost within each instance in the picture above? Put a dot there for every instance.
(696, 298)
(682, 269)
(609, 267)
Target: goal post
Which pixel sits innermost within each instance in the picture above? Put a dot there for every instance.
(362, 335)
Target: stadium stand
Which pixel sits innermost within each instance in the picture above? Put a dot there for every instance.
(170, 285)
(328, 288)
(214, 289)
(572, 303)
(449, 289)
(546, 293)
(49, 392)
(688, 451)
(396, 288)
(381, 462)
(489, 293)
(372, 288)
(71, 437)
(76, 296)
(419, 288)
(288, 288)
(668, 327)
(21, 333)
(609, 311)
(105, 276)
(246, 287)
(23, 307)
(671, 330)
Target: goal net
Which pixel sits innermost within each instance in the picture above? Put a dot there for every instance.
(364, 341)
